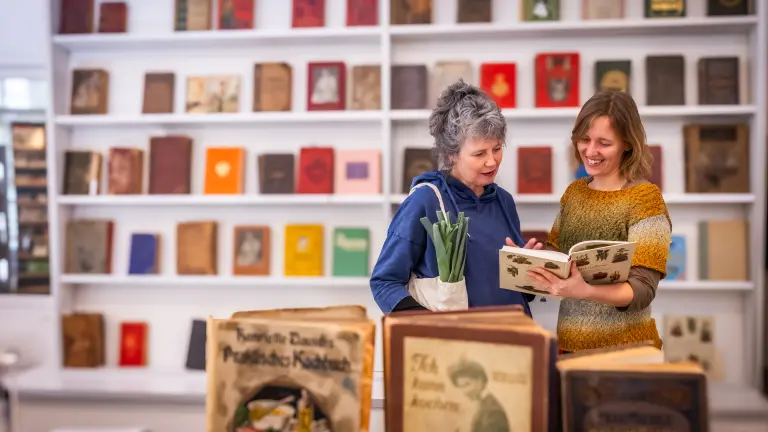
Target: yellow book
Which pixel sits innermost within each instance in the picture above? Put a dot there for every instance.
(303, 250)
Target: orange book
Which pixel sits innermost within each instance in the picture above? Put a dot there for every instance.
(224, 170)
(133, 344)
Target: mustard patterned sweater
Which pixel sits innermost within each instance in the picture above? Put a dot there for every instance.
(636, 213)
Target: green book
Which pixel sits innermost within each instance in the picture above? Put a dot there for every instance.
(351, 247)
(540, 10)
(665, 8)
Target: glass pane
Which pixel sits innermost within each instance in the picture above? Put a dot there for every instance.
(16, 93)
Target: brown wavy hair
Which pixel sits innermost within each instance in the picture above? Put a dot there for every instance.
(625, 120)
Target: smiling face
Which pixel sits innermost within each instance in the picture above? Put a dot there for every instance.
(601, 150)
(478, 163)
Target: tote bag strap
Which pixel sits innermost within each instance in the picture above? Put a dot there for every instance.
(439, 196)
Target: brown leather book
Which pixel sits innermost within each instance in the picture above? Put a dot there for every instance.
(83, 340)
(90, 91)
(82, 172)
(76, 16)
(410, 12)
(409, 87)
(170, 165)
(474, 11)
(159, 88)
(718, 80)
(272, 84)
(366, 87)
(665, 80)
(716, 158)
(657, 166)
(126, 171)
(276, 173)
(88, 246)
(113, 17)
(416, 161)
(196, 248)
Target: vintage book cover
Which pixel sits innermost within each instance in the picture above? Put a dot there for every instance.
(272, 84)
(159, 89)
(170, 165)
(613, 75)
(316, 166)
(193, 15)
(416, 161)
(730, 7)
(362, 12)
(88, 247)
(83, 340)
(665, 8)
(236, 14)
(251, 250)
(409, 87)
(678, 258)
(113, 17)
(224, 170)
(351, 250)
(133, 344)
(540, 10)
(366, 87)
(410, 12)
(308, 13)
(326, 86)
(320, 376)
(213, 94)
(28, 136)
(90, 91)
(602, 9)
(474, 11)
(689, 338)
(196, 348)
(657, 166)
(665, 80)
(126, 171)
(557, 80)
(534, 170)
(76, 16)
(196, 248)
(446, 73)
(144, 254)
(276, 173)
(499, 80)
(82, 172)
(719, 263)
(304, 250)
(718, 80)
(357, 172)
(338, 312)
(599, 261)
(716, 158)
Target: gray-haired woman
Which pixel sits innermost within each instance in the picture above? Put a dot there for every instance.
(469, 136)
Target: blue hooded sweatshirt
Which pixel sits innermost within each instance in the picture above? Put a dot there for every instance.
(408, 249)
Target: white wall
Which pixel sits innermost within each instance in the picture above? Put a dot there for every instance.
(23, 32)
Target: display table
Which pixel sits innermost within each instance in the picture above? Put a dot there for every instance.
(166, 402)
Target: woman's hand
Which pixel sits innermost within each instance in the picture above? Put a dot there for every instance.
(532, 244)
(574, 286)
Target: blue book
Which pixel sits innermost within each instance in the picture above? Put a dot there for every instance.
(580, 172)
(676, 260)
(144, 257)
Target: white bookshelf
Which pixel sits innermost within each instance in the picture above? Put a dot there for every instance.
(169, 302)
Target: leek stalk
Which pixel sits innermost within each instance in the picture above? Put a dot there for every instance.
(450, 240)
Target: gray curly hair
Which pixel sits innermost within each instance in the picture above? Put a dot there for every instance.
(463, 112)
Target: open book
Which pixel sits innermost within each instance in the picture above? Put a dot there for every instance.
(599, 261)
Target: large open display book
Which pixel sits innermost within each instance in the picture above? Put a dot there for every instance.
(202, 160)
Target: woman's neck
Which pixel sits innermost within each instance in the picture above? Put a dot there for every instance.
(608, 183)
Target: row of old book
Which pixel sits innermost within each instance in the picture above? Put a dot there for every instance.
(90, 243)
(489, 368)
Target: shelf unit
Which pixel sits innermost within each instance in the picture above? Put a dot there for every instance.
(152, 45)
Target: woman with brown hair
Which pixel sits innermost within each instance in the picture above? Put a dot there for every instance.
(614, 202)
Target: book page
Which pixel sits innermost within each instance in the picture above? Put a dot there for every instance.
(466, 386)
(514, 264)
(605, 265)
(595, 244)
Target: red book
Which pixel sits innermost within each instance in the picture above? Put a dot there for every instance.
(534, 170)
(326, 86)
(236, 14)
(557, 80)
(113, 17)
(316, 170)
(308, 13)
(499, 80)
(133, 344)
(362, 13)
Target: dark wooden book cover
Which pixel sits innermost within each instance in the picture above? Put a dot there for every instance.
(499, 80)
(602, 9)
(193, 15)
(76, 16)
(170, 165)
(308, 13)
(113, 17)
(730, 7)
(409, 87)
(613, 75)
(126, 171)
(718, 80)
(716, 158)
(90, 91)
(316, 168)
(197, 248)
(83, 340)
(416, 161)
(159, 88)
(196, 348)
(534, 170)
(326, 86)
(82, 172)
(276, 173)
(665, 80)
(665, 8)
(657, 166)
(236, 14)
(362, 12)
(557, 80)
(410, 12)
(272, 84)
(474, 11)
(88, 247)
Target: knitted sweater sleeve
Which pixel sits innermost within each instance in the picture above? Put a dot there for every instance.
(650, 227)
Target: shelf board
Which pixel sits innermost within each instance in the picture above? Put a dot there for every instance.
(577, 28)
(669, 198)
(252, 281)
(571, 113)
(218, 118)
(219, 200)
(705, 285)
(215, 39)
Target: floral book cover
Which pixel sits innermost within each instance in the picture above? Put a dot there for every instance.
(273, 374)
